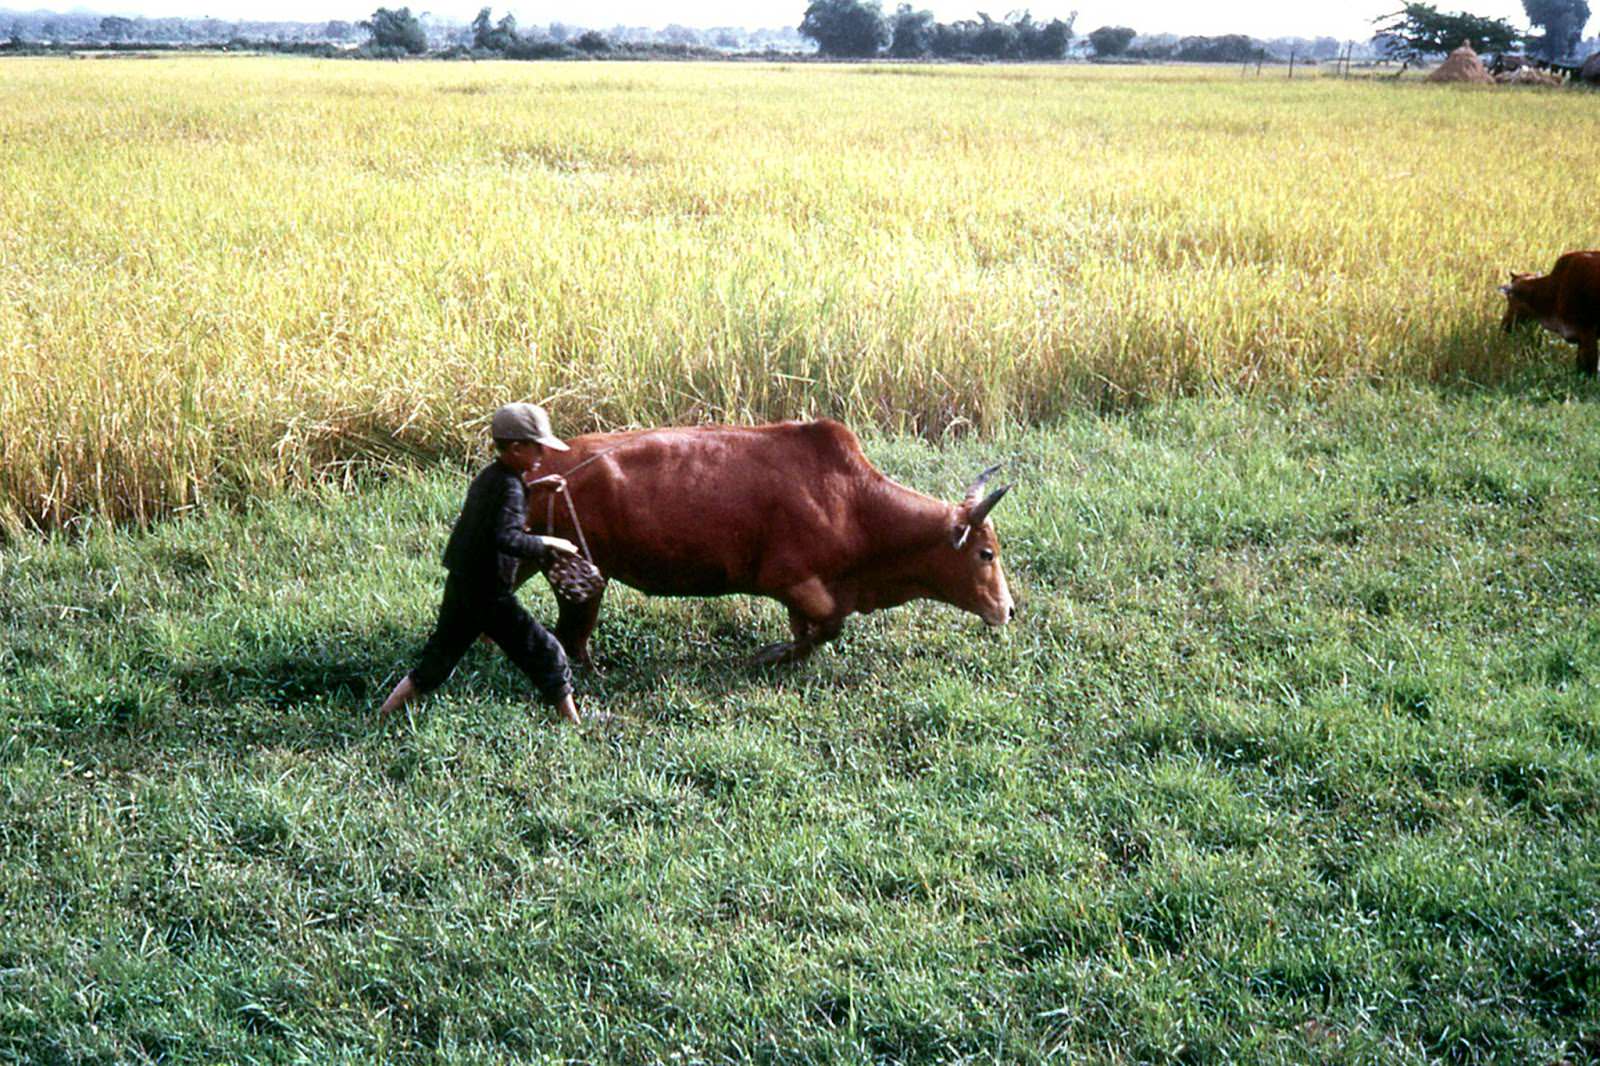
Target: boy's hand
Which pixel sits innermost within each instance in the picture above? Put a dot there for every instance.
(555, 482)
(559, 545)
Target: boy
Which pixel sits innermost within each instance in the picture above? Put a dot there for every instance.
(485, 547)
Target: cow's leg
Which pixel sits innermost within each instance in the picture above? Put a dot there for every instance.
(807, 636)
(575, 624)
(1588, 353)
(814, 618)
(822, 632)
(787, 651)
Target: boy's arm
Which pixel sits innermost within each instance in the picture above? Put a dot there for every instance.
(510, 536)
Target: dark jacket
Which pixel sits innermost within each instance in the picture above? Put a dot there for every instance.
(488, 540)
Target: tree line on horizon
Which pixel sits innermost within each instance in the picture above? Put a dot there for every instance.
(394, 32)
(46, 30)
(838, 28)
(859, 29)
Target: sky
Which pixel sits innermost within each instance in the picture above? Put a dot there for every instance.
(1343, 19)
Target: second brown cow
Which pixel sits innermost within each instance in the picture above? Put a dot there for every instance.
(1565, 301)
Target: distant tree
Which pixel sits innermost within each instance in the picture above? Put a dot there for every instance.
(685, 35)
(117, 28)
(530, 47)
(1154, 46)
(953, 39)
(1563, 22)
(849, 28)
(997, 40)
(592, 41)
(1046, 40)
(482, 26)
(494, 37)
(1326, 48)
(397, 29)
(167, 29)
(910, 32)
(1111, 40)
(1284, 47)
(1228, 48)
(1418, 30)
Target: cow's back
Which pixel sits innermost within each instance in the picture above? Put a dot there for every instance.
(1576, 283)
(702, 510)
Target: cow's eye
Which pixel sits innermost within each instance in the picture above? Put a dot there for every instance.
(986, 555)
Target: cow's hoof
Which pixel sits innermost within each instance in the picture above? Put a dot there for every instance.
(776, 654)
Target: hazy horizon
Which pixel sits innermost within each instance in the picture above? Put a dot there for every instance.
(1257, 18)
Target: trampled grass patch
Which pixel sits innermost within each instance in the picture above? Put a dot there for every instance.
(1291, 756)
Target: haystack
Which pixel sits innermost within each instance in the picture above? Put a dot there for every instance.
(1463, 65)
(1527, 76)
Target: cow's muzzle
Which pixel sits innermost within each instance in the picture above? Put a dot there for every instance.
(1001, 608)
(1000, 614)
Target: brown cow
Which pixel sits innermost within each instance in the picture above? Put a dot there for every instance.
(1565, 301)
(793, 511)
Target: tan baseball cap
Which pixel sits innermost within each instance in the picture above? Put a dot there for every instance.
(525, 421)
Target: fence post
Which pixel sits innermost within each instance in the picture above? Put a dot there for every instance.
(1291, 64)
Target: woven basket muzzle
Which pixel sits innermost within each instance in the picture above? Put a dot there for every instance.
(574, 579)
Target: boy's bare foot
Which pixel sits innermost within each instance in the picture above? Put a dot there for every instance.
(569, 709)
(402, 694)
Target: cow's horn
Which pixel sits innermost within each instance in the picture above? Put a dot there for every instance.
(982, 480)
(980, 512)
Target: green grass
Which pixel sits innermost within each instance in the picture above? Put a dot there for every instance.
(1291, 757)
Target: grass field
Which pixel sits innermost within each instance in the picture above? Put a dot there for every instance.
(222, 277)
(1291, 757)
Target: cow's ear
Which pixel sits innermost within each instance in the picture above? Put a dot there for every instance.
(959, 535)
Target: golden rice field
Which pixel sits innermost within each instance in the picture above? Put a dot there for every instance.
(224, 276)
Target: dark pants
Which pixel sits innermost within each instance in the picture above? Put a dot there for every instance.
(474, 607)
